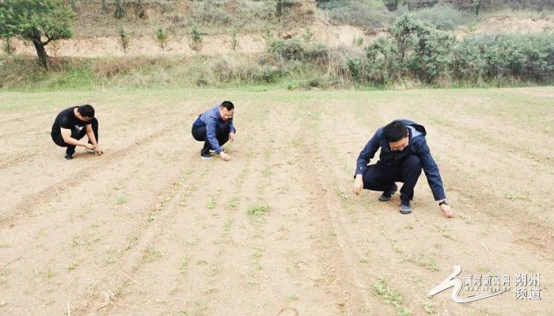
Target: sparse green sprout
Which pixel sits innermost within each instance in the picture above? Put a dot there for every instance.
(358, 41)
(466, 218)
(151, 255)
(183, 266)
(390, 297)
(71, 267)
(258, 253)
(234, 40)
(195, 38)
(364, 259)
(121, 199)
(308, 35)
(429, 308)
(211, 204)
(227, 224)
(124, 40)
(75, 241)
(233, 203)
(267, 36)
(266, 172)
(162, 38)
(428, 262)
(293, 297)
(258, 210)
(110, 260)
(396, 247)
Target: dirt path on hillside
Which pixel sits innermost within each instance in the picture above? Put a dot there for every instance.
(146, 45)
(332, 35)
(150, 229)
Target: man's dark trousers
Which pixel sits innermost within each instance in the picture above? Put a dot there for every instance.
(381, 177)
(76, 134)
(200, 134)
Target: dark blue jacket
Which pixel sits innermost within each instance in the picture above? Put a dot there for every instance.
(417, 146)
(213, 122)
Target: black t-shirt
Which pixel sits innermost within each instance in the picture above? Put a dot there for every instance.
(67, 119)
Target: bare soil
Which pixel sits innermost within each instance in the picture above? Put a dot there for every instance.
(151, 229)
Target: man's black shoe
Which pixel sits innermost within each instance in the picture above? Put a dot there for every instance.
(68, 157)
(387, 195)
(405, 205)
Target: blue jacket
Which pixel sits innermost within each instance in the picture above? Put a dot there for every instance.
(417, 146)
(213, 122)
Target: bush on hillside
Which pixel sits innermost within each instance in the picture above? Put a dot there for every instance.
(218, 13)
(521, 57)
(415, 49)
(295, 49)
(367, 14)
(444, 16)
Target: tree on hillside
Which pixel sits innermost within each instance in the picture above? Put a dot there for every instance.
(104, 6)
(162, 38)
(140, 9)
(38, 21)
(119, 10)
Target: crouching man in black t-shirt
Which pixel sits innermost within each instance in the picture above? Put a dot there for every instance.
(71, 125)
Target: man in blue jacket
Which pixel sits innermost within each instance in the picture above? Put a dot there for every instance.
(404, 153)
(215, 127)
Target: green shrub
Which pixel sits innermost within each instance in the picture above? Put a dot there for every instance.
(363, 13)
(416, 49)
(521, 57)
(234, 39)
(383, 61)
(208, 13)
(469, 59)
(195, 35)
(294, 49)
(444, 16)
(245, 14)
(124, 39)
(162, 38)
(195, 38)
(288, 50)
(266, 74)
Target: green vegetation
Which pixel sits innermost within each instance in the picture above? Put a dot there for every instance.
(389, 296)
(162, 38)
(234, 40)
(37, 21)
(420, 49)
(195, 38)
(258, 210)
(444, 16)
(119, 9)
(151, 255)
(124, 39)
(363, 13)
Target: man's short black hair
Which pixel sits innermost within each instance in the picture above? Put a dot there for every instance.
(86, 110)
(228, 105)
(395, 131)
